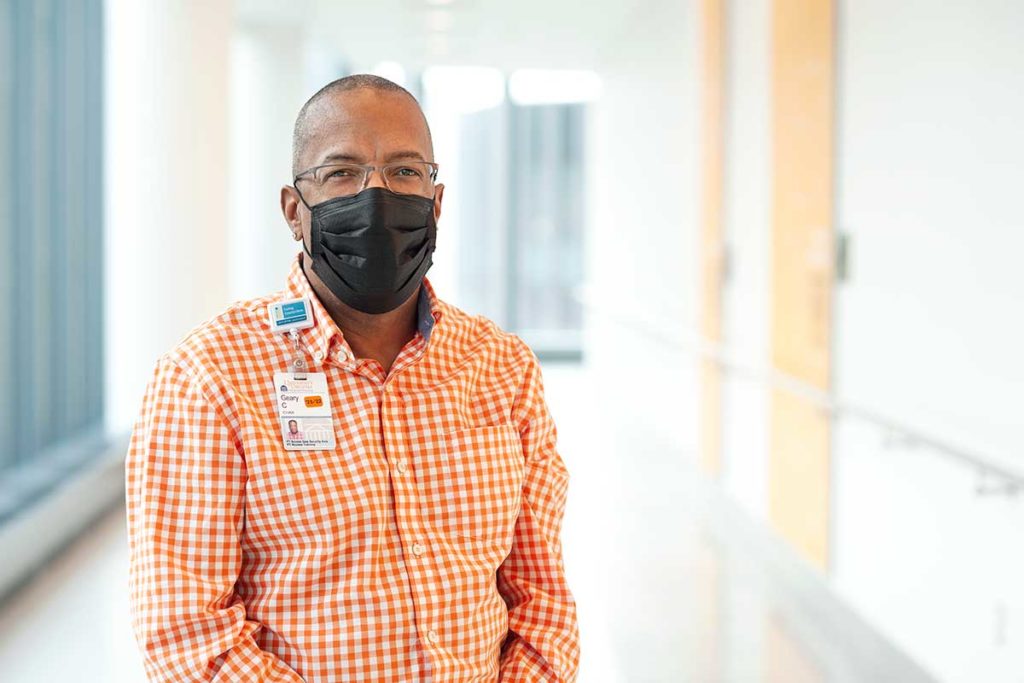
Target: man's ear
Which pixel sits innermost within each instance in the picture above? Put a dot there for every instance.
(290, 208)
(438, 196)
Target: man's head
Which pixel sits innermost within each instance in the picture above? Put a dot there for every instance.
(311, 117)
(363, 119)
(293, 426)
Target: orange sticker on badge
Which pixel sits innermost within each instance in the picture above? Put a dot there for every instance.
(314, 402)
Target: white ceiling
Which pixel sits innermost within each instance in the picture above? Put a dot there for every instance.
(506, 34)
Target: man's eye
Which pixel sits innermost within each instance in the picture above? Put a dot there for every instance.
(408, 172)
(341, 173)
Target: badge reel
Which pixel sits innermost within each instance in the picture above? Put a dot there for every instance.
(303, 402)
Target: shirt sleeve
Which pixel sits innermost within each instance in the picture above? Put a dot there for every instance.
(543, 639)
(185, 483)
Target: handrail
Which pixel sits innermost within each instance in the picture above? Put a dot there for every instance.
(1012, 482)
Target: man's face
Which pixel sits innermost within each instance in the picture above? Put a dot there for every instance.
(364, 126)
(293, 426)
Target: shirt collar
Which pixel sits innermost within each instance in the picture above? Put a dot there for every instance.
(325, 330)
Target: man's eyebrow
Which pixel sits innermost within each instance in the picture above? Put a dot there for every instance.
(404, 154)
(340, 156)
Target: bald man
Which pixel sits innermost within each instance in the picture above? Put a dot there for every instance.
(414, 533)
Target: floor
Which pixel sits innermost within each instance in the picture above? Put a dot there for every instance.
(661, 594)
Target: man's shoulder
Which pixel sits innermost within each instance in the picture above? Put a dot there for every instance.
(240, 328)
(479, 335)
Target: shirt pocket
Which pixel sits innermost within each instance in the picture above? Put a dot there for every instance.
(479, 484)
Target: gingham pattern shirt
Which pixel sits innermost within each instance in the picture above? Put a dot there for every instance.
(424, 547)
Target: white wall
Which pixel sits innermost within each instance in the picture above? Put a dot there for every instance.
(931, 162)
(166, 184)
(929, 327)
(747, 216)
(267, 91)
(641, 253)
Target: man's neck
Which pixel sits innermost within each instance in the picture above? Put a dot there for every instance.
(380, 336)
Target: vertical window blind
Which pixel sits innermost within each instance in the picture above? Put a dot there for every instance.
(51, 231)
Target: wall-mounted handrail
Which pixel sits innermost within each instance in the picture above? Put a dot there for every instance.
(1009, 482)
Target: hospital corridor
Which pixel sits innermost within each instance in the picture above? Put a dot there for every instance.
(445, 340)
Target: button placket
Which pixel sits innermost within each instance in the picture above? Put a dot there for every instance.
(420, 573)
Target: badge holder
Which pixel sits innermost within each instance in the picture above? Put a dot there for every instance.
(303, 401)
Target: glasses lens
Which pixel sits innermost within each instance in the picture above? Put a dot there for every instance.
(409, 178)
(338, 180)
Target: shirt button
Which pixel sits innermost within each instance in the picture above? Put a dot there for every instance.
(400, 466)
(318, 355)
(342, 355)
(433, 637)
(417, 549)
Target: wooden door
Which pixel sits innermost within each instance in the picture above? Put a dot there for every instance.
(802, 268)
(711, 230)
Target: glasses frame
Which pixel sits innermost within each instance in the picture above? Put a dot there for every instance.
(368, 170)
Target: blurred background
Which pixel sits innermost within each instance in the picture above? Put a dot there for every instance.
(769, 252)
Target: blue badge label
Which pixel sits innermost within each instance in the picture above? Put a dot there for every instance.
(295, 314)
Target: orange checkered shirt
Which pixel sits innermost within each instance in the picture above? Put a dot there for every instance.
(424, 547)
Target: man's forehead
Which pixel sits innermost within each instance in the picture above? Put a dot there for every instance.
(366, 123)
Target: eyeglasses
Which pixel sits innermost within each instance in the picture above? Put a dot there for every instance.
(330, 181)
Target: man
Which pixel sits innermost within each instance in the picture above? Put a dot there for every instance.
(421, 541)
(293, 430)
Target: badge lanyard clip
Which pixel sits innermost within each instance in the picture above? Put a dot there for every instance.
(298, 361)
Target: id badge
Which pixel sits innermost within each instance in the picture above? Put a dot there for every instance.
(304, 411)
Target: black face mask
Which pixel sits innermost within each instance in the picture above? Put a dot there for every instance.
(372, 249)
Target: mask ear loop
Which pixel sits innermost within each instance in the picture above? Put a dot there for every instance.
(295, 184)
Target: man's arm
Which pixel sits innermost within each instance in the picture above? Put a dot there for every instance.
(185, 483)
(543, 639)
